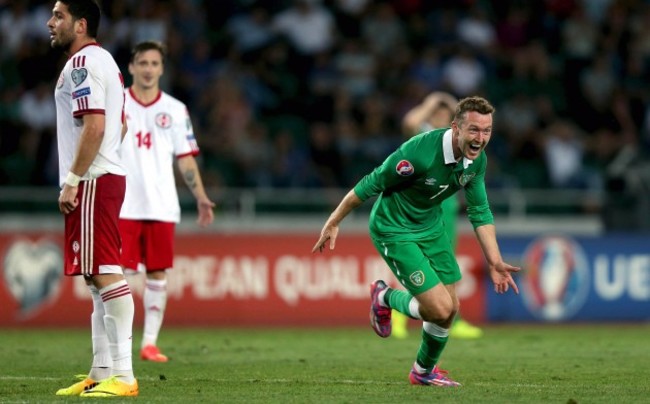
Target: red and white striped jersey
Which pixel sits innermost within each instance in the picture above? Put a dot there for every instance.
(158, 132)
(90, 83)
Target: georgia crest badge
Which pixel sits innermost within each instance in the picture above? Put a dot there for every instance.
(163, 120)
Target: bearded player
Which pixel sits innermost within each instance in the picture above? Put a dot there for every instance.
(89, 99)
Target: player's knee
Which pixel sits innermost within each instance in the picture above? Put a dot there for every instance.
(439, 312)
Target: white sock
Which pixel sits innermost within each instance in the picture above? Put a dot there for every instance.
(380, 297)
(419, 369)
(435, 330)
(118, 320)
(155, 302)
(102, 361)
(414, 309)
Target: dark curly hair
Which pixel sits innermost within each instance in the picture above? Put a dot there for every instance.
(88, 10)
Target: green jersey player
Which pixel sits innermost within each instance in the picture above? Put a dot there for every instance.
(436, 111)
(407, 228)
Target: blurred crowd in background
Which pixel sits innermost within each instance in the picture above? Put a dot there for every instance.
(311, 93)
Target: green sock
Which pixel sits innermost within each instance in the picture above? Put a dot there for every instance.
(398, 300)
(430, 349)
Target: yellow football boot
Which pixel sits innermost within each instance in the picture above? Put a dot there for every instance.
(461, 329)
(76, 389)
(112, 387)
(400, 325)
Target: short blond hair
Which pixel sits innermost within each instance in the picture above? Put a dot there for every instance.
(472, 104)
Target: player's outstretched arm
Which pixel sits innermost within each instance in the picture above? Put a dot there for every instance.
(500, 272)
(192, 177)
(331, 228)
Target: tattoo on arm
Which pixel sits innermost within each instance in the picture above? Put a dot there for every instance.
(190, 178)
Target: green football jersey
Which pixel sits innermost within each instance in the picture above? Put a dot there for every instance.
(413, 181)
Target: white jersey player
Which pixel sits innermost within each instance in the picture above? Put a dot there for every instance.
(79, 91)
(90, 123)
(160, 132)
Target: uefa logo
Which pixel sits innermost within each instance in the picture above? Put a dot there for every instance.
(556, 281)
(404, 168)
(32, 273)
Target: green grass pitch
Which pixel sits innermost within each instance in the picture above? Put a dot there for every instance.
(510, 364)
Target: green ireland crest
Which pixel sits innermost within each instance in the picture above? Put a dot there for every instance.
(417, 278)
(465, 178)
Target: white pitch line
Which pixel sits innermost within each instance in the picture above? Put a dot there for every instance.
(218, 380)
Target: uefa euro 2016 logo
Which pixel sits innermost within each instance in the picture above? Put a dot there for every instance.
(556, 281)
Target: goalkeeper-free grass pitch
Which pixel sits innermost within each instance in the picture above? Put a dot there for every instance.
(510, 364)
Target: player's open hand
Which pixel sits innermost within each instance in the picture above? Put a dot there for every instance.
(329, 232)
(501, 275)
(206, 215)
